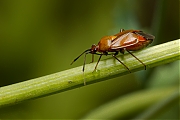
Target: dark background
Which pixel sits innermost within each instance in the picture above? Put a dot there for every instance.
(41, 37)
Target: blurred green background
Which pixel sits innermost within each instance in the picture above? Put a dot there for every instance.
(41, 37)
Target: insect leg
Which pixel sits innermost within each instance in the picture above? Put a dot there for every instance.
(114, 55)
(84, 66)
(92, 58)
(98, 62)
(137, 59)
(84, 61)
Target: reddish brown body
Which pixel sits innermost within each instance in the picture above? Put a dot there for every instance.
(131, 40)
(125, 40)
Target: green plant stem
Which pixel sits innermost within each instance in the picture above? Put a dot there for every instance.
(73, 78)
(160, 106)
(123, 107)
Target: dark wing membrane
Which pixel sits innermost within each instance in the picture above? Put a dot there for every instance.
(147, 36)
(123, 41)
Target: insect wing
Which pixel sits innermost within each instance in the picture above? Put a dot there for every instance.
(125, 40)
(147, 36)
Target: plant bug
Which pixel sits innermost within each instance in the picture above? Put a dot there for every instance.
(125, 40)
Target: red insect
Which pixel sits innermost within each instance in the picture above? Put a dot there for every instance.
(125, 40)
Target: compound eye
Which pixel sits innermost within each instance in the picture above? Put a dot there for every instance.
(93, 48)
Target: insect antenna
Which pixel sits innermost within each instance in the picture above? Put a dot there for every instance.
(86, 51)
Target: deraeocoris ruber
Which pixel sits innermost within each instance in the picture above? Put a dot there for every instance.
(125, 40)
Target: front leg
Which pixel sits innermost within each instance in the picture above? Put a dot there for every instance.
(98, 62)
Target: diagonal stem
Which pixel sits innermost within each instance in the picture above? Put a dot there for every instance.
(73, 78)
